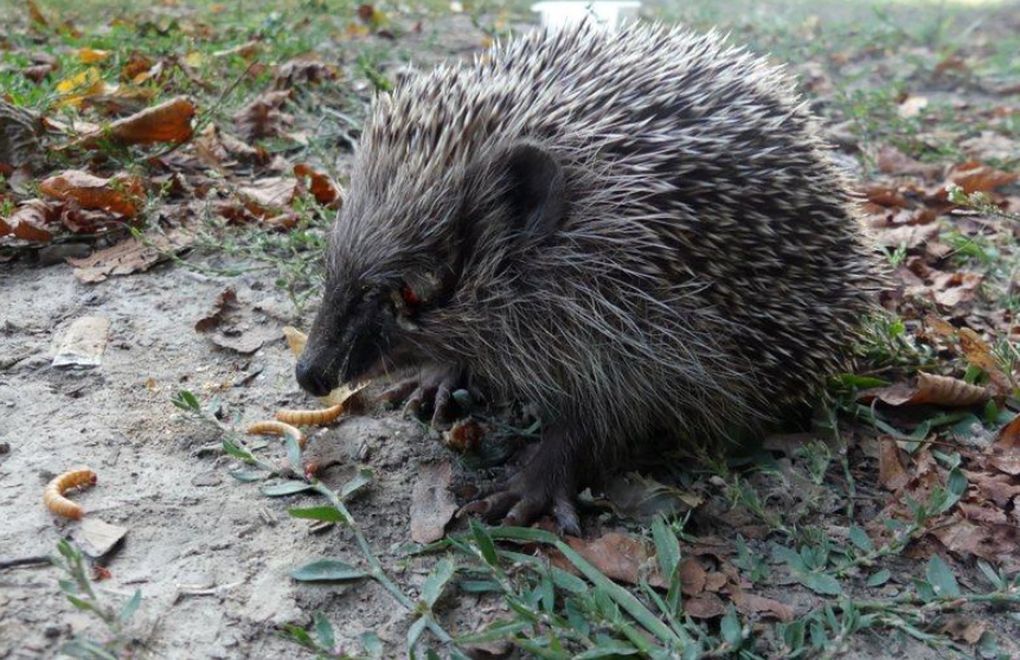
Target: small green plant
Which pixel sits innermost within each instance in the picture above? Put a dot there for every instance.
(321, 640)
(80, 592)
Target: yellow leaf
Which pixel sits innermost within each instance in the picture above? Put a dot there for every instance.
(194, 59)
(74, 89)
(92, 55)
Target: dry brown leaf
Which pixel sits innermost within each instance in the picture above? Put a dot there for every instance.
(263, 117)
(973, 176)
(994, 543)
(621, 557)
(432, 503)
(123, 194)
(908, 236)
(999, 489)
(29, 220)
(704, 606)
(953, 289)
(979, 353)
(948, 391)
(891, 473)
(751, 604)
(323, 188)
(964, 629)
(247, 50)
(168, 122)
(891, 160)
(303, 70)
(136, 65)
(268, 197)
(129, 256)
(885, 195)
(1009, 436)
(715, 581)
(35, 15)
(692, 577)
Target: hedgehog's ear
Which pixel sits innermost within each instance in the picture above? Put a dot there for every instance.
(534, 188)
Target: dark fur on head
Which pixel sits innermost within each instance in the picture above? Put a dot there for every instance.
(635, 231)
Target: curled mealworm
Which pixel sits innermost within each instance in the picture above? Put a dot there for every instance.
(53, 496)
(310, 417)
(270, 427)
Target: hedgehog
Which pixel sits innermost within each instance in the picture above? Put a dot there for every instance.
(637, 232)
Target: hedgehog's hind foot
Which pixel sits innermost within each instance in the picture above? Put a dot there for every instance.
(545, 485)
(432, 388)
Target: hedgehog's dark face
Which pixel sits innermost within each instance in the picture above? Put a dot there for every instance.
(384, 302)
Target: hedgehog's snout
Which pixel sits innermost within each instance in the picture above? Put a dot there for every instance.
(313, 378)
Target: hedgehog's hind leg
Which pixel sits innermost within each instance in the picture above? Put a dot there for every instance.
(433, 388)
(546, 484)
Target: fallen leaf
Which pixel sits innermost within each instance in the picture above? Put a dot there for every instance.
(92, 55)
(82, 85)
(167, 122)
(891, 160)
(263, 116)
(268, 197)
(303, 71)
(891, 473)
(247, 50)
(994, 543)
(121, 194)
(432, 503)
(96, 537)
(979, 353)
(137, 65)
(129, 256)
(912, 106)
(972, 176)
(964, 629)
(636, 496)
(464, 436)
(928, 389)
(323, 188)
(83, 343)
(620, 557)
(908, 236)
(752, 604)
(29, 220)
(1009, 436)
(35, 15)
(692, 577)
(704, 606)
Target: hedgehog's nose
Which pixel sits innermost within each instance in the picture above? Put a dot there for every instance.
(312, 379)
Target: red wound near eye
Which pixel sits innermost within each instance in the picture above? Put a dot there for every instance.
(409, 296)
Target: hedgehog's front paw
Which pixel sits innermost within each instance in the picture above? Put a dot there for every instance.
(534, 491)
(431, 389)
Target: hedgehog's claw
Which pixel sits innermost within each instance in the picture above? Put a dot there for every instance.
(432, 388)
(530, 494)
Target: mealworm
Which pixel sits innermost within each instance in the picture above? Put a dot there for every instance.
(53, 496)
(310, 417)
(270, 427)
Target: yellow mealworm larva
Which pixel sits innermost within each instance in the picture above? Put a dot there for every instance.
(270, 427)
(310, 417)
(53, 496)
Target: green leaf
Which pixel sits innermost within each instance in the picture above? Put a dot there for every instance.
(821, 583)
(415, 631)
(281, 488)
(990, 574)
(83, 605)
(667, 548)
(323, 570)
(861, 539)
(496, 631)
(299, 635)
(479, 586)
(371, 644)
(185, 400)
(607, 649)
(568, 581)
(231, 448)
(790, 557)
(434, 584)
(325, 512)
(941, 578)
(247, 476)
(879, 578)
(356, 484)
(731, 629)
(293, 453)
(324, 631)
(484, 542)
(130, 607)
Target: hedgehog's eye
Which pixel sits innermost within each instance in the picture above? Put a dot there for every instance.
(404, 303)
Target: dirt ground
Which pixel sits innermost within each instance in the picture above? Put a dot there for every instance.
(212, 557)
